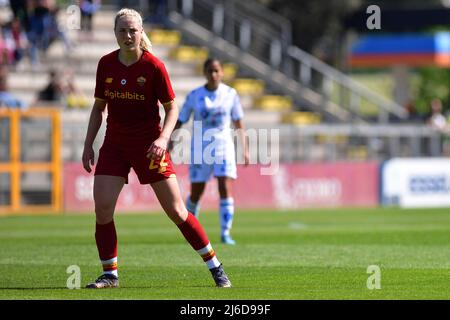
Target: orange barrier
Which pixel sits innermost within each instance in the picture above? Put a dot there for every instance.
(15, 167)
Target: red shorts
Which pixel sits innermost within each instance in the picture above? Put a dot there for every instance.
(117, 160)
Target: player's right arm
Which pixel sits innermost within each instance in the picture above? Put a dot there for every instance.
(95, 121)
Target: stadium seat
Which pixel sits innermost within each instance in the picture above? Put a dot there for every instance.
(164, 37)
(247, 86)
(230, 71)
(300, 118)
(273, 103)
(189, 54)
(357, 152)
(339, 139)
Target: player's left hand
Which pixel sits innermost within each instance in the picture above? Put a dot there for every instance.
(157, 149)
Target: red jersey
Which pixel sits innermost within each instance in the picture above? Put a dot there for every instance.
(132, 94)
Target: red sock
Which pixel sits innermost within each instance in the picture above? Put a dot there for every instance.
(106, 238)
(193, 232)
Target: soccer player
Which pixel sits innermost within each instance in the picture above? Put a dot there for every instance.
(130, 81)
(214, 105)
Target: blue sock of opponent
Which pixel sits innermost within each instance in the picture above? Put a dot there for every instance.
(226, 216)
(192, 207)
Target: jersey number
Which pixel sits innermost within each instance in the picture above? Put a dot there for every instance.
(162, 165)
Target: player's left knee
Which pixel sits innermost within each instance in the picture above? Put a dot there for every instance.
(178, 213)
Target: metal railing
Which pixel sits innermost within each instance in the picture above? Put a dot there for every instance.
(248, 25)
(254, 30)
(349, 93)
(29, 151)
(310, 143)
(275, 143)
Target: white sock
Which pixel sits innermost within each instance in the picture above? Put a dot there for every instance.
(226, 215)
(209, 254)
(110, 266)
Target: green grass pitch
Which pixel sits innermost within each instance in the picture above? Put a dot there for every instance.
(308, 254)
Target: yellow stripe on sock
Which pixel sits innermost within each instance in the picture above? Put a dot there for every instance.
(208, 255)
(110, 266)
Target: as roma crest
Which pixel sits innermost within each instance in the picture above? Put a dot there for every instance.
(141, 81)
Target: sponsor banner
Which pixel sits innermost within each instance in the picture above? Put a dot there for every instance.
(417, 182)
(293, 186)
(343, 184)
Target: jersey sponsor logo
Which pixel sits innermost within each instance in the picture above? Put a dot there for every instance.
(124, 95)
(141, 81)
(123, 82)
(108, 80)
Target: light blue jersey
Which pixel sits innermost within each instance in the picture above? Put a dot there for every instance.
(215, 109)
(213, 113)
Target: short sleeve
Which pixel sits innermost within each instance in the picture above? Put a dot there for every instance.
(187, 108)
(100, 82)
(164, 89)
(237, 112)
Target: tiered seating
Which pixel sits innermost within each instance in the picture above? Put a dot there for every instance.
(183, 62)
(274, 103)
(189, 54)
(301, 118)
(164, 37)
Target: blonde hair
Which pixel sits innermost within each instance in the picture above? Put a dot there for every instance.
(145, 43)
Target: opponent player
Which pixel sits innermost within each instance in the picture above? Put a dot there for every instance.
(214, 105)
(130, 81)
